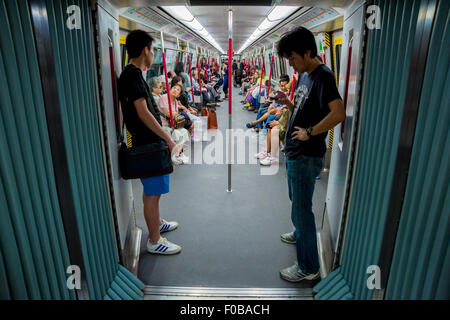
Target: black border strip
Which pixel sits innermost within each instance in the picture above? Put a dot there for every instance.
(39, 19)
(417, 70)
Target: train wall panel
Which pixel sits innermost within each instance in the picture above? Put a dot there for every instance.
(33, 248)
(383, 98)
(75, 70)
(421, 262)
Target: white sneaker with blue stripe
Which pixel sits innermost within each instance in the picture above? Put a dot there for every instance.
(165, 226)
(163, 246)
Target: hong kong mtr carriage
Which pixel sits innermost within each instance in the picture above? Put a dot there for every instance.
(71, 225)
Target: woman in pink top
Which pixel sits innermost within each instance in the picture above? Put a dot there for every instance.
(163, 104)
(180, 136)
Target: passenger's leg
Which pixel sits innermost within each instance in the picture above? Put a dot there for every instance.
(301, 176)
(261, 112)
(151, 214)
(274, 141)
(258, 123)
(225, 89)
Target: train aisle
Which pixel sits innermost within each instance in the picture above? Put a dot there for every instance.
(229, 240)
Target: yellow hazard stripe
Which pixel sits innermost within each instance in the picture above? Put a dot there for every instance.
(327, 40)
(330, 141)
(129, 142)
(336, 41)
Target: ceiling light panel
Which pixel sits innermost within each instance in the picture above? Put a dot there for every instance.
(183, 14)
(278, 14)
(281, 12)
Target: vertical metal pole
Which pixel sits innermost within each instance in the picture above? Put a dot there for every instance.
(230, 93)
(262, 72)
(253, 66)
(293, 86)
(276, 66)
(167, 80)
(270, 74)
(199, 81)
(190, 73)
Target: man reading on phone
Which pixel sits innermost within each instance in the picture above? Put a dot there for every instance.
(317, 108)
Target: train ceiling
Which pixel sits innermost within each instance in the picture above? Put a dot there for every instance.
(246, 18)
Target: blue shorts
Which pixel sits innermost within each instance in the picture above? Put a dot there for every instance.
(155, 186)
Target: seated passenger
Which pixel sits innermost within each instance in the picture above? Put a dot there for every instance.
(156, 87)
(180, 136)
(254, 81)
(209, 94)
(171, 74)
(189, 113)
(271, 106)
(272, 113)
(257, 92)
(275, 135)
(179, 70)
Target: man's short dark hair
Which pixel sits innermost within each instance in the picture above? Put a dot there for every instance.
(136, 41)
(284, 78)
(298, 40)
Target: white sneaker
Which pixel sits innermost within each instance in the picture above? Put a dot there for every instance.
(163, 246)
(294, 274)
(262, 155)
(268, 161)
(165, 226)
(289, 238)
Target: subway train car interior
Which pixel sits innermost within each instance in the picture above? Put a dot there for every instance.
(224, 150)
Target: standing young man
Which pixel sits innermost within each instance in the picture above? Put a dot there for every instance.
(142, 119)
(317, 108)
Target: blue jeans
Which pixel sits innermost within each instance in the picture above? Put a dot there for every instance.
(302, 174)
(261, 112)
(255, 102)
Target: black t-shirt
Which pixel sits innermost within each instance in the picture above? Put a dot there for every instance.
(132, 87)
(312, 95)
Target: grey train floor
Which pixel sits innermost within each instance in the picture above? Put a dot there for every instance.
(229, 240)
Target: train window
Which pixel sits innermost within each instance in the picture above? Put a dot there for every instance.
(282, 69)
(123, 50)
(158, 56)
